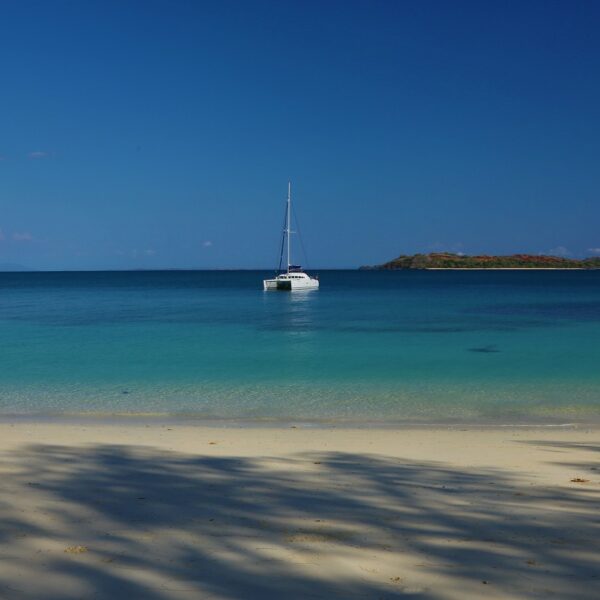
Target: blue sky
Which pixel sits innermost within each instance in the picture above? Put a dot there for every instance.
(162, 134)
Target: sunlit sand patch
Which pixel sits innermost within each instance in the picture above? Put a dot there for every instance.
(76, 549)
(316, 536)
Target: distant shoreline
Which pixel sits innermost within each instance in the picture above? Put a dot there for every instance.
(483, 262)
(500, 269)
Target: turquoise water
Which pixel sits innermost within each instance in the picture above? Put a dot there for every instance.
(378, 346)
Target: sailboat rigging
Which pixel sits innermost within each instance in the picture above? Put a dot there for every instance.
(294, 278)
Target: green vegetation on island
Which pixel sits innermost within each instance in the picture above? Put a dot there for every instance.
(446, 260)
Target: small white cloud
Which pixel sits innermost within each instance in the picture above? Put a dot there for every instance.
(207, 243)
(38, 154)
(23, 236)
(594, 250)
(559, 251)
(136, 253)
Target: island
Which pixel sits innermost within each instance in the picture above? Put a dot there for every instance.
(447, 260)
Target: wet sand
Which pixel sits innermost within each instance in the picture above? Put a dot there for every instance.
(162, 511)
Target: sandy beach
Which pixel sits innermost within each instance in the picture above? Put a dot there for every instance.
(159, 511)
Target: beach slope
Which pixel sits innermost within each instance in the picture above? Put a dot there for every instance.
(167, 511)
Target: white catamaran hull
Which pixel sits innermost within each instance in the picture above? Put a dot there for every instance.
(270, 284)
(288, 283)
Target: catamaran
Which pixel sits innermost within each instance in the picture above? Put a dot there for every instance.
(294, 278)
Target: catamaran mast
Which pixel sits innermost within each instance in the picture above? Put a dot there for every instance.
(289, 207)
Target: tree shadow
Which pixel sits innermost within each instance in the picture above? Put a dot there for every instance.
(141, 522)
(587, 446)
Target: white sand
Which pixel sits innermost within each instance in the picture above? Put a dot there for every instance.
(161, 512)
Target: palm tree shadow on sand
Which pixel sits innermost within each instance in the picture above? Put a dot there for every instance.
(132, 522)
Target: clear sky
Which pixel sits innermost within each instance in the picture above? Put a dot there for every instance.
(163, 133)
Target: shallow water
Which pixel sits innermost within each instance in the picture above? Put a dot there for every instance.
(423, 346)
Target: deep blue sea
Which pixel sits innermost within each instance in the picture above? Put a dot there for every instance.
(422, 346)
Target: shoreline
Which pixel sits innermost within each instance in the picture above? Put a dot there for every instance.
(200, 421)
(180, 511)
